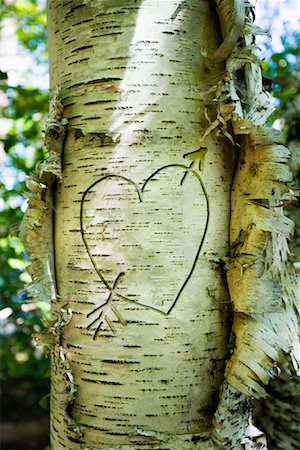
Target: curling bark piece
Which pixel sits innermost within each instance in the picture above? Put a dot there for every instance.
(265, 331)
(232, 16)
(36, 230)
(55, 133)
(265, 327)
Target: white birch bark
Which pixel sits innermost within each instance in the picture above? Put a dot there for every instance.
(137, 231)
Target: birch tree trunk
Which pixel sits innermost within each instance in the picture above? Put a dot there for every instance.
(137, 231)
(141, 310)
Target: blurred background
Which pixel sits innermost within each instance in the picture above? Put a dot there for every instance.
(24, 370)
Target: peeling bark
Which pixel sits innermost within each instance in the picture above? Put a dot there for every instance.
(232, 28)
(260, 276)
(36, 230)
(279, 414)
(265, 330)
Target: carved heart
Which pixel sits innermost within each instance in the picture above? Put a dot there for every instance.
(144, 242)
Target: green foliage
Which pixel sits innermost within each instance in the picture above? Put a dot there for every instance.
(23, 114)
(30, 19)
(281, 68)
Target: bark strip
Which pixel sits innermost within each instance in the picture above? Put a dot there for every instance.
(36, 233)
(36, 230)
(259, 272)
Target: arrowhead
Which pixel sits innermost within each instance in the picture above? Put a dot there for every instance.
(197, 156)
